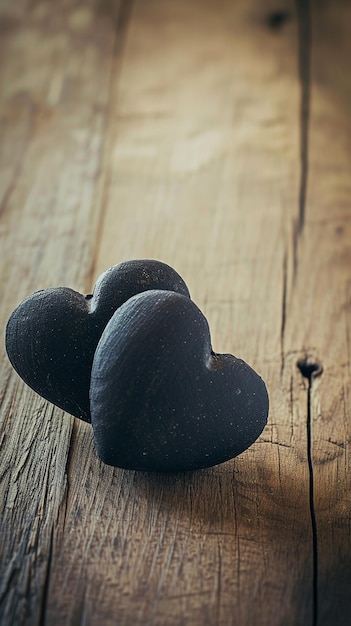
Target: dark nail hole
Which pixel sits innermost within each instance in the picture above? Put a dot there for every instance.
(309, 368)
(88, 296)
(277, 19)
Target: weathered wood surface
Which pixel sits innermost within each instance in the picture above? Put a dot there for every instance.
(216, 137)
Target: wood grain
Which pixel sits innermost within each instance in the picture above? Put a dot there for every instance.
(214, 136)
(56, 68)
(323, 285)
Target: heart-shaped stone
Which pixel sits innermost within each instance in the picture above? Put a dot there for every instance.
(161, 399)
(52, 335)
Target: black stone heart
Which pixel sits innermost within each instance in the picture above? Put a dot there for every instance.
(161, 399)
(51, 336)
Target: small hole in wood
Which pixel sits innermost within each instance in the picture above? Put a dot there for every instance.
(88, 296)
(309, 368)
(276, 19)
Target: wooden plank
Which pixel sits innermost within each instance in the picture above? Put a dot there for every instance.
(200, 122)
(56, 65)
(319, 306)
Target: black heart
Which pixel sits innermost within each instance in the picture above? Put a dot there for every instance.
(52, 335)
(161, 399)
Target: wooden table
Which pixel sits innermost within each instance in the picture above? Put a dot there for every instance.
(214, 136)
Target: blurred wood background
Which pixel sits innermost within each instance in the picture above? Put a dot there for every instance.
(214, 136)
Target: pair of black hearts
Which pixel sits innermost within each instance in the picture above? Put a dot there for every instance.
(135, 359)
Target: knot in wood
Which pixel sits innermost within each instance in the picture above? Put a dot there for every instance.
(309, 367)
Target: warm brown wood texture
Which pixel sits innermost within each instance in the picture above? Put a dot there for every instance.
(214, 136)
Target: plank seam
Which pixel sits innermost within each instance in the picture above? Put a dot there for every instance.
(45, 596)
(310, 369)
(312, 508)
(71, 446)
(304, 69)
(284, 306)
(122, 23)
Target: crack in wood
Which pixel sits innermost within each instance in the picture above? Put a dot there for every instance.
(284, 305)
(122, 21)
(45, 594)
(304, 65)
(310, 369)
(71, 446)
(312, 508)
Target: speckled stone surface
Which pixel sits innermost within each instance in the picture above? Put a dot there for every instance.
(161, 399)
(52, 335)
